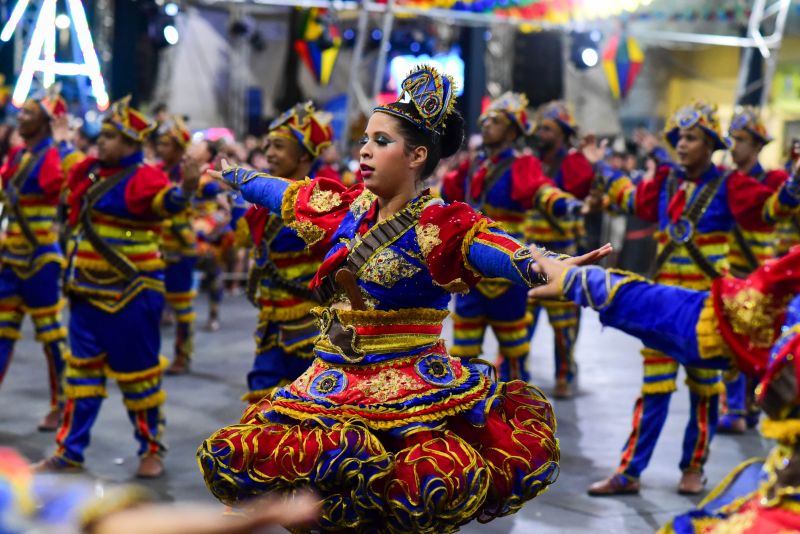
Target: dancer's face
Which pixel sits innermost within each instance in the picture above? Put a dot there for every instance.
(285, 156)
(388, 165)
(168, 150)
(745, 147)
(549, 135)
(497, 130)
(694, 148)
(112, 146)
(31, 120)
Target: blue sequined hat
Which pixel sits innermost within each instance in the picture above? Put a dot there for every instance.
(431, 93)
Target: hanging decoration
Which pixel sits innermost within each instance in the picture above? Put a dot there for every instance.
(40, 56)
(622, 62)
(319, 44)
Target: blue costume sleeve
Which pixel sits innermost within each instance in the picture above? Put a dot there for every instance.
(665, 318)
(495, 254)
(257, 187)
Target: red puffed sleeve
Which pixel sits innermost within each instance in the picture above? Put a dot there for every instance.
(453, 183)
(647, 192)
(142, 188)
(746, 200)
(774, 179)
(51, 173)
(10, 165)
(577, 175)
(328, 172)
(256, 219)
(527, 178)
(442, 232)
(316, 208)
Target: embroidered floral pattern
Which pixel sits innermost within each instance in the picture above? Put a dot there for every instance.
(386, 268)
(308, 231)
(324, 201)
(389, 384)
(427, 238)
(751, 314)
(362, 204)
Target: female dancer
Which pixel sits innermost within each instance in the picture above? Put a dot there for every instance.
(393, 433)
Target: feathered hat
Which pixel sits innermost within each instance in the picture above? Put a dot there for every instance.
(514, 107)
(309, 127)
(128, 121)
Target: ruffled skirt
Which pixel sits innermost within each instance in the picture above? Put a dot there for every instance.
(402, 458)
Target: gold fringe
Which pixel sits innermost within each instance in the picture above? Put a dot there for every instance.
(290, 200)
(52, 335)
(785, 431)
(241, 236)
(482, 225)
(10, 333)
(82, 392)
(710, 343)
(94, 361)
(705, 390)
(659, 387)
(146, 403)
(163, 363)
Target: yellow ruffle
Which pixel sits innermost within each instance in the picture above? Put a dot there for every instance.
(482, 225)
(241, 236)
(137, 375)
(785, 431)
(705, 390)
(52, 335)
(157, 399)
(82, 392)
(659, 387)
(76, 362)
(290, 200)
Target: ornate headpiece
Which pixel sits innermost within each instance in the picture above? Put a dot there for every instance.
(751, 311)
(51, 102)
(748, 118)
(558, 112)
(130, 122)
(514, 107)
(433, 96)
(309, 127)
(176, 129)
(697, 114)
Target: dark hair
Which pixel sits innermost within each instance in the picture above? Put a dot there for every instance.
(442, 146)
(213, 148)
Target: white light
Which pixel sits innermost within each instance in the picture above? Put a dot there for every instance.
(171, 34)
(589, 57)
(90, 62)
(13, 20)
(62, 22)
(44, 22)
(171, 9)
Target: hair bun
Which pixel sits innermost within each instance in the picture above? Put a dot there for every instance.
(453, 136)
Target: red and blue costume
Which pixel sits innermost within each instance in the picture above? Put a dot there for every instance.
(116, 297)
(695, 219)
(502, 187)
(571, 173)
(179, 249)
(283, 267)
(390, 430)
(31, 257)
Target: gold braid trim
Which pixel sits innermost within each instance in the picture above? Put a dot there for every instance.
(46, 310)
(10, 333)
(659, 387)
(410, 316)
(82, 392)
(94, 361)
(729, 478)
(785, 431)
(705, 390)
(134, 376)
(482, 225)
(290, 200)
(52, 335)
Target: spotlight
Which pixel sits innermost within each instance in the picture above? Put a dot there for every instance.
(377, 34)
(62, 22)
(349, 34)
(171, 35)
(584, 52)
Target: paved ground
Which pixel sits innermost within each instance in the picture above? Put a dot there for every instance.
(591, 428)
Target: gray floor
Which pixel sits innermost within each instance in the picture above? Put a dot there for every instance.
(591, 428)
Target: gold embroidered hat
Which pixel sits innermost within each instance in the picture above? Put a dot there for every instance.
(433, 96)
(698, 114)
(51, 102)
(514, 107)
(176, 129)
(309, 127)
(131, 123)
(558, 113)
(748, 118)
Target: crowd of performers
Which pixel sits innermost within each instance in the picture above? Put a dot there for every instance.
(352, 392)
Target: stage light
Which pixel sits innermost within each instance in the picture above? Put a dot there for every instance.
(171, 9)
(62, 22)
(414, 47)
(171, 35)
(349, 34)
(590, 57)
(377, 34)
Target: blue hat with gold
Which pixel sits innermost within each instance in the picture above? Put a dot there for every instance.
(514, 107)
(748, 118)
(433, 95)
(698, 114)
